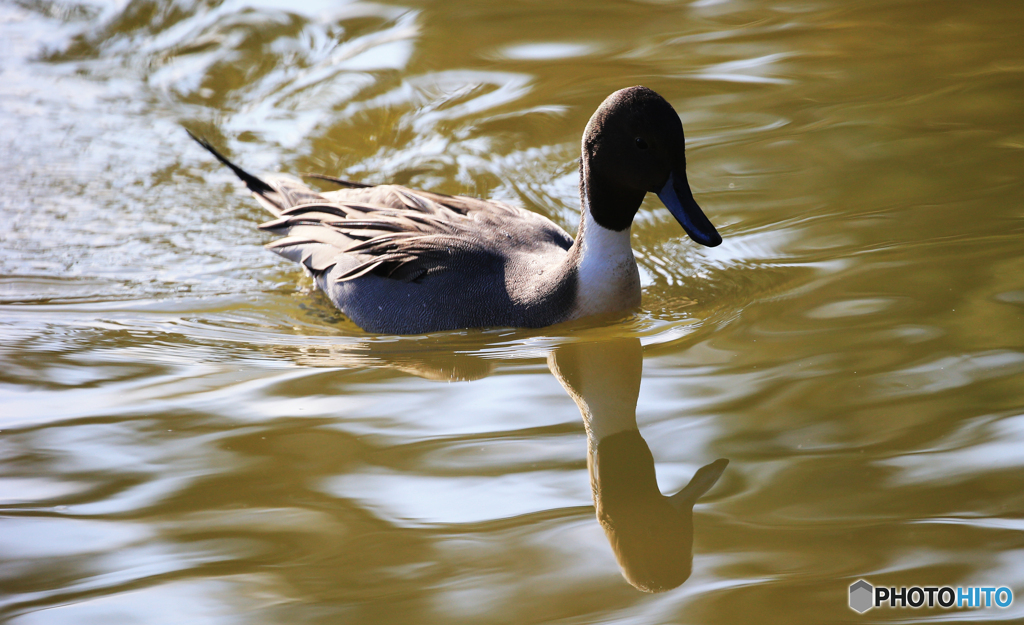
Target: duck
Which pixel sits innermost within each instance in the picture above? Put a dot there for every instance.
(396, 260)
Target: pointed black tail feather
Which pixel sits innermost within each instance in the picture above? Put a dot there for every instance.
(252, 182)
(339, 181)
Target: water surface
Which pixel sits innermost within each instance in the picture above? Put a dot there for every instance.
(189, 433)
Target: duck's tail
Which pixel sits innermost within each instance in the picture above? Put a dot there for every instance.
(254, 184)
(276, 195)
(341, 182)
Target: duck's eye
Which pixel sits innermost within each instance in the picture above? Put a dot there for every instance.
(640, 143)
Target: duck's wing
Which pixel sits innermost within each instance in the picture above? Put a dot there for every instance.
(389, 230)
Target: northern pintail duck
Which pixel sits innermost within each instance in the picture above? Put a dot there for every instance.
(402, 261)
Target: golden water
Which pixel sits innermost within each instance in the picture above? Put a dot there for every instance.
(189, 434)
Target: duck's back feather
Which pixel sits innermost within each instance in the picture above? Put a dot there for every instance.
(397, 233)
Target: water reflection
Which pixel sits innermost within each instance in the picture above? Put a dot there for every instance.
(651, 534)
(444, 365)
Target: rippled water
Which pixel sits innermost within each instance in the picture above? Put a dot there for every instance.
(188, 433)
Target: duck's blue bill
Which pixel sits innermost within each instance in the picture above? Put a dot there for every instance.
(679, 200)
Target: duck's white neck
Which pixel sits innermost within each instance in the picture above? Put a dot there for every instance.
(608, 278)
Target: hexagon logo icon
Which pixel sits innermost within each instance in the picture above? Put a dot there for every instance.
(861, 594)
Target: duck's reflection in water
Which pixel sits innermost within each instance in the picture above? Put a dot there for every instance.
(424, 358)
(651, 534)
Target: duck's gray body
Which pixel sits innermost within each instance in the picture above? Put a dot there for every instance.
(401, 261)
(429, 262)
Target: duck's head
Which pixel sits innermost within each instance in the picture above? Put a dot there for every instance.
(633, 145)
